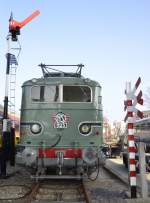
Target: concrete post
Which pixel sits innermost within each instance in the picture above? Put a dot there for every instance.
(142, 164)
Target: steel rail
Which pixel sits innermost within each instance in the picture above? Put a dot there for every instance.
(35, 187)
(86, 193)
(34, 190)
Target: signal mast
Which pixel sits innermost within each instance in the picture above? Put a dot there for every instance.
(8, 135)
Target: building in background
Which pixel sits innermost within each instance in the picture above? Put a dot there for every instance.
(113, 132)
(106, 130)
(146, 114)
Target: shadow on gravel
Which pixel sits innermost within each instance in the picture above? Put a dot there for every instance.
(101, 193)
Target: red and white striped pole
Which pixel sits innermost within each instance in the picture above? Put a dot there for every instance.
(131, 143)
(132, 114)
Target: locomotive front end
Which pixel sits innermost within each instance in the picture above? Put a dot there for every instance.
(61, 124)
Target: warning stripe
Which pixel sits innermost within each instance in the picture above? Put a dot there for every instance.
(130, 114)
(138, 82)
(130, 137)
(130, 104)
(131, 145)
(131, 149)
(130, 131)
(131, 155)
(132, 167)
(132, 181)
(132, 161)
(130, 126)
(136, 85)
(132, 173)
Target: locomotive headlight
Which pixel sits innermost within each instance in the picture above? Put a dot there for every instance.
(85, 129)
(36, 128)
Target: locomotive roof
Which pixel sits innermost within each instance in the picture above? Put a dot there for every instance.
(68, 79)
(53, 76)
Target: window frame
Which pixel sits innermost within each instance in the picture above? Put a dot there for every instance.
(60, 88)
(45, 102)
(91, 99)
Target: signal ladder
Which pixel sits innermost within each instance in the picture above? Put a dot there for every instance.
(12, 89)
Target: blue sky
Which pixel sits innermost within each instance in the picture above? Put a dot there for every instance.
(112, 38)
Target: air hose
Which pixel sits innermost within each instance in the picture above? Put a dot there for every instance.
(98, 170)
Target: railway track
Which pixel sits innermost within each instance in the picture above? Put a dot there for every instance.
(63, 191)
(20, 188)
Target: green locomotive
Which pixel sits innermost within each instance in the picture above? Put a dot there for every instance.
(61, 122)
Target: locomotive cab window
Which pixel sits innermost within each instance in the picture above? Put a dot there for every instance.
(45, 93)
(76, 94)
